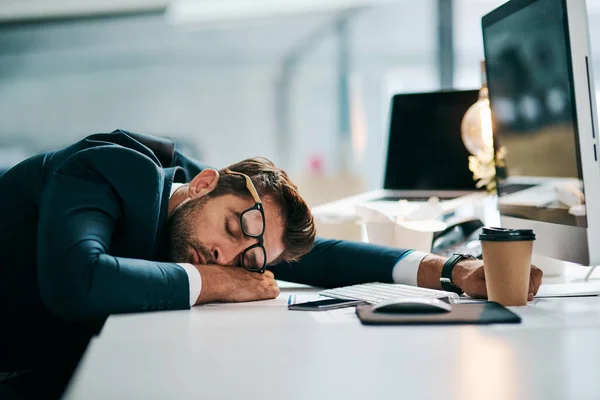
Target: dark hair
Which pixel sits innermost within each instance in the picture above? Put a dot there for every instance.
(270, 181)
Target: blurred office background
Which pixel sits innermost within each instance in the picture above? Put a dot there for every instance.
(306, 83)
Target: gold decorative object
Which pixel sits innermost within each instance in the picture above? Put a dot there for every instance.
(485, 173)
(478, 138)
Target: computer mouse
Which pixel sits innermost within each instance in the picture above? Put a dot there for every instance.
(412, 305)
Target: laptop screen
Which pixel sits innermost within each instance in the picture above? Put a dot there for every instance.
(425, 149)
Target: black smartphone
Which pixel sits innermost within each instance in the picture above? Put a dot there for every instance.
(324, 305)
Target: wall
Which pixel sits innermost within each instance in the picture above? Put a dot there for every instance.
(213, 86)
(469, 43)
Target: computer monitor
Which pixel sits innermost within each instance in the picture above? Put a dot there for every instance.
(539, 71)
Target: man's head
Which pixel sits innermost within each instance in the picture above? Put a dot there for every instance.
(205, 226)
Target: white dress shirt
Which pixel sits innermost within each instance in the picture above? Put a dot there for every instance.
(405, 270)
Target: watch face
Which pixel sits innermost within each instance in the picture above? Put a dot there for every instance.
(465, 255)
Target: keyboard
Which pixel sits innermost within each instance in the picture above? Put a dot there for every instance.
(416, 198)
(511, 188)
(377, 292)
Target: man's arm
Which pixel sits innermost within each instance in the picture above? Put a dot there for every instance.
(190, 166)
(79, 214)
(334, 263)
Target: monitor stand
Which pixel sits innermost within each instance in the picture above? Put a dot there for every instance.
(559, 271)
(589, 274)
(565, 279)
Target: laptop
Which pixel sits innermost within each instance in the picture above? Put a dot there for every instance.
(426, 156)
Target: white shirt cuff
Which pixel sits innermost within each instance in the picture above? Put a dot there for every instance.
(195, 281)
(406, 269)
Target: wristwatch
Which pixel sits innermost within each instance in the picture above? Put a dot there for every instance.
(446, 278)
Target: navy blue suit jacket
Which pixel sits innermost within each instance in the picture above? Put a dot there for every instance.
(82, 235)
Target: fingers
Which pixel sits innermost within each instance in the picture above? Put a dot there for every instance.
(531, 288)
(236, 284)
(269, 274)
(266, 276)
(269, 288)
(268, 285)
(273, 292)
(535, 280)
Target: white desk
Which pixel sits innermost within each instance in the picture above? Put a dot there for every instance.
(267, 352)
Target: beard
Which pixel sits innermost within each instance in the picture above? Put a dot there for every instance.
(181, 233)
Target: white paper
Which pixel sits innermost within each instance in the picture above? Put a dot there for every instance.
(407, 228)
(338, 316)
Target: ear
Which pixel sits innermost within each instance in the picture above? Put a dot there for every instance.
(203, 183)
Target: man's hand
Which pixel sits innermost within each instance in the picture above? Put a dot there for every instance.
(235, 284)
(469, 275)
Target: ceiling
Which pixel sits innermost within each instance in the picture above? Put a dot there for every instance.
(43, 48)
(261, 39)
(11, 10)
(198, 10)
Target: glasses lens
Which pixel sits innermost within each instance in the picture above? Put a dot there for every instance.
(255, 258)
(252, 223)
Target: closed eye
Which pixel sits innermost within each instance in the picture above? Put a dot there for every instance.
(228, 229)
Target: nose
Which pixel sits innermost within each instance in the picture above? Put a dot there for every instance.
(231, 254)
(227, 255)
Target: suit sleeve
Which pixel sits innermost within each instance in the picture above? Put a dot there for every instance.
(191, 167)
(334, 263)
(77, 276)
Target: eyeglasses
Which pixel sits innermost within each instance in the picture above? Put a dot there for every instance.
(252, 221)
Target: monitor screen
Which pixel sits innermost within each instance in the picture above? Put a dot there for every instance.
(534, 117)
(425, 149)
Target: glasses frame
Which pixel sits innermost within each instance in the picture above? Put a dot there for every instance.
(257, 206)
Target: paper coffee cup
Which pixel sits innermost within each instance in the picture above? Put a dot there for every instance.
(507, 264)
